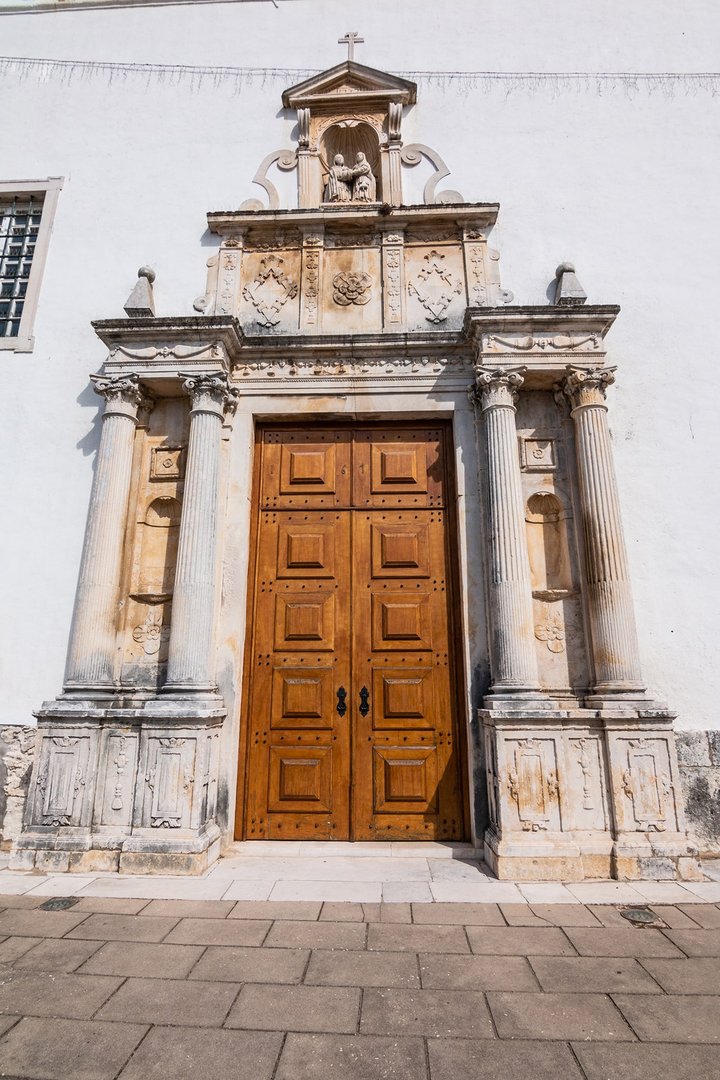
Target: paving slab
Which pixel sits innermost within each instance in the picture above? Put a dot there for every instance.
(351, 1057)
(644, 1061)
(519, 941)
(476, 972)
(399, 938)
(298, 910)
(110, 905)
(557, 1016)
(388, 912)
(459, 1013)
(348, 968)
(140, 959)
(705, 915)
(184, 909)
(459, 914)
(13, 947)
(593, 975)
(696, 942)
(662, 1018)
(227, 963)
(317, 935)
(172, 1053)
(171, 1001)
(58, 954)
(296, 1008)
(68, 1049)
(219, 932)
(565, 914)
(700, 975)
(633, 941)
(673, 917)
(78, 997)
(122, 928)
(39, 924)
(470, 1059)
(342, 912)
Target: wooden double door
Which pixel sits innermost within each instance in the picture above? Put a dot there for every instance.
(351, 707)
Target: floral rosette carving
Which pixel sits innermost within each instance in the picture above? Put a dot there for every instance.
(351, 287)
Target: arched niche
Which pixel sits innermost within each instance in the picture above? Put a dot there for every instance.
(348, 138)
(548, 548)
(159, 529)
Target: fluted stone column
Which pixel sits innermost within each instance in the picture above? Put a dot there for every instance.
(513, 657)
(190, 659)
(91, 651)
(612, 618)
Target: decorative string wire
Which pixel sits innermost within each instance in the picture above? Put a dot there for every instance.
(669, 83)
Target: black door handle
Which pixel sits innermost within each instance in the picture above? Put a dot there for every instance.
(364, 701)
(341, 706)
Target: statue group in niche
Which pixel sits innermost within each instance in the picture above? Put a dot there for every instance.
(350, 184)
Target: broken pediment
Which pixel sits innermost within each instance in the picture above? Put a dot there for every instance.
(352, 81)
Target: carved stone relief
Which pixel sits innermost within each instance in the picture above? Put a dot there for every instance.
(62, 775)
(532, 782)
(435, 286)
(270, 291)
(351, 288)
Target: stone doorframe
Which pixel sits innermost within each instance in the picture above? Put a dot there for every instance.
(144, 781)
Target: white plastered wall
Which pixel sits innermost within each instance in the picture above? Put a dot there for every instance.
(618, 181)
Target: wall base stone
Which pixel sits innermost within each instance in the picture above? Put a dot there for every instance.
(699, 760)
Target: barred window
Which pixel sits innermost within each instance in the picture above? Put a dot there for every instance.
(26, 210)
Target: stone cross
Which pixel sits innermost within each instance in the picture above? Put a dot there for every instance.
(351, 40)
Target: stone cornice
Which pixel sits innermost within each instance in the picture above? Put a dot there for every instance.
(545, 339)
(160, 349)
(229, 222)
(361, 85)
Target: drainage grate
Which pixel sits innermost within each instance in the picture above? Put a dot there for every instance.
(641, 916)
(59, 903)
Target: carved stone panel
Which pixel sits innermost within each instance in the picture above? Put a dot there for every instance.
(64, 780)
(164, 797)
(270, 296)
(435, 288)
(118, 768)
(644, 782)
(532, 784)
(351, 290)
(584, 788)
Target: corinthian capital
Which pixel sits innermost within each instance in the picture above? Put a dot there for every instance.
(495, 387)
(123, 394)
(211, 392)
(587, 386)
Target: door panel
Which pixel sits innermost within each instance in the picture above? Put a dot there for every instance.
(299, 746)
(351, 595)
(406, 778)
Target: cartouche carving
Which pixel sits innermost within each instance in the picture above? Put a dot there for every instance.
(270, 291)
(435, 287)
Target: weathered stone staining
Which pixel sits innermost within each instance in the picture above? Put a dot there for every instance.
(355, 306)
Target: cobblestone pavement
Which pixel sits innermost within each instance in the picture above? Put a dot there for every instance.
(251, 990)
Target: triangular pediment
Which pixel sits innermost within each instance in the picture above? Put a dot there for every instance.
(348, 80)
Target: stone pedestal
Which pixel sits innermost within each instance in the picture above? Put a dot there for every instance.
(575, 795)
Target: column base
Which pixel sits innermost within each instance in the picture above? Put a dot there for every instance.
(191, 855)
(575, 794)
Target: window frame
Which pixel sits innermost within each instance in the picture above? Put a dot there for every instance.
(49, 188)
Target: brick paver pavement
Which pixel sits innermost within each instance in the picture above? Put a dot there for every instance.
(175, 989)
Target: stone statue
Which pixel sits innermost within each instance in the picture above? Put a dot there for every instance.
(363, 180)
(339, 181)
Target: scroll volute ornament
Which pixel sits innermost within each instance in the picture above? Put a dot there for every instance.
(587, 386)
(495, 387)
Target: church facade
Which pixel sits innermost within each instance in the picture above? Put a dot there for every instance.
(355, 565)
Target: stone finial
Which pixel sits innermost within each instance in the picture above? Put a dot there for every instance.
(568, 290)
(140, 304)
